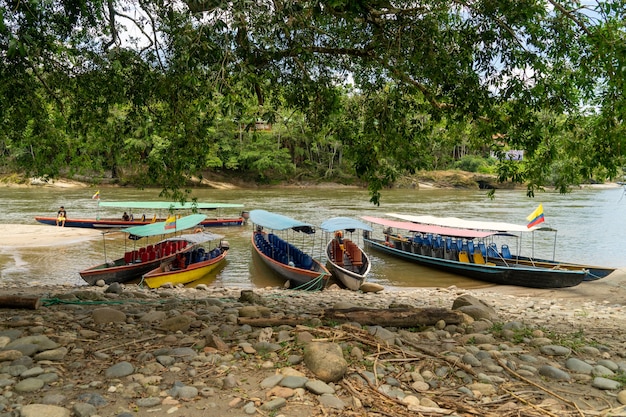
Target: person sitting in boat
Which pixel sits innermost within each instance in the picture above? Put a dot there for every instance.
(125, 217)
(339, 238)
(61, 216)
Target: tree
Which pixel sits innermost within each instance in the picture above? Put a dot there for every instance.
(495, 65)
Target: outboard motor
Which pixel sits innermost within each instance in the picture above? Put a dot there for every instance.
(224, 245)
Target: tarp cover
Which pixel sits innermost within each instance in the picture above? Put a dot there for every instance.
(155, 229)
(197, 238)
(425, 228)
(468, 224)
(344, 223)
(165, 205)
(276, 221)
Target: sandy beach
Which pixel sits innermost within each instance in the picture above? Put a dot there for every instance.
(24, 235)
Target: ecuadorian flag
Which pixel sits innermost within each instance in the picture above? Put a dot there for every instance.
(170, 223)
(535, 217)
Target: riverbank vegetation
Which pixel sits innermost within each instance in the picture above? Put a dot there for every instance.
(365, 92)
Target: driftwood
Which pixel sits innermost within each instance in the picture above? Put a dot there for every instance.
(394, 317)
(16, 301)
(272, 321)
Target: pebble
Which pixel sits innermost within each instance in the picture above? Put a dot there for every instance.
(66, 354)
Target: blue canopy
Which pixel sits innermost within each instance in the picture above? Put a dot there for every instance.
(276, 221)
(155, 229)
(344, 223)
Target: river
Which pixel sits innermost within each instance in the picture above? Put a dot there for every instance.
(591, 224)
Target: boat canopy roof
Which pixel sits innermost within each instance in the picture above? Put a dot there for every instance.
(197, 238)
(499, 227)
(155, 229)
(165, 205)
(276, 221)
(344, 223)
(426, 228)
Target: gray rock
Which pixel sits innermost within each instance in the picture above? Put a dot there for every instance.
(382, 333)
(44, 410)
(271, 381)
(609, 364)
(555, 350)
(331, 401)
(32, 372)
(114, 288)
(152, 316)
(29, 385)
(84, 410)
(554, 373)
(52, 354)
(177, 323)
(42, 343)
(185, 392)
(319, 387)
(605, 383)
(470, 359)
(108, 315)
(274, 404)
(325, 360)
(119, 370)
(577, 366)
(293, 381)
(600, 370)
(148, 402)
(94, 399)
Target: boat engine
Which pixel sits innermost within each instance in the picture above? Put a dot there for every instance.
(224, 245)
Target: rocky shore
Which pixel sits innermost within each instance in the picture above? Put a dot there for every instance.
(128, 351)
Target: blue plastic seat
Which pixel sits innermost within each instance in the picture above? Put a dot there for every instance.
(483, 248)
(506, 253)
(492, 250)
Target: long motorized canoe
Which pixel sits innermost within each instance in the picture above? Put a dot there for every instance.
(287, 260)
(346, 261)
(454, 250)
(191, 265)
(157, 212)
(138, 261)
(594, 272)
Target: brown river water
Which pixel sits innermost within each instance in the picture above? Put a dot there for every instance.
(591, 224)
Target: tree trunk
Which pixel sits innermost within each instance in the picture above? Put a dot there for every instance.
(16, 301)
(395, 317)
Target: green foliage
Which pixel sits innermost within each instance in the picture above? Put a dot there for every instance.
(472, 163)
(349, 88)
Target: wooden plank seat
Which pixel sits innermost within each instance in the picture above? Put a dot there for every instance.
(354, 253)
(337, 253)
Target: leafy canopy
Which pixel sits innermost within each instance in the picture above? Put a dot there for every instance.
(155, 84)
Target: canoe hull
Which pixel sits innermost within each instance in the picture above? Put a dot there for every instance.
(296, 276)
(496, 274)
(123, 270)
(159, 277)
(350, 275)
(115, 223)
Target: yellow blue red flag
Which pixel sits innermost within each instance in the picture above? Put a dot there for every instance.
(170, 223)
(535, 217)
(96, 196)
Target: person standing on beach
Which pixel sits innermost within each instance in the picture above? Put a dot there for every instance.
(61, 216)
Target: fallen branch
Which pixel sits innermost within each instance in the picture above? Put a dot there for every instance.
(395, 317)
(16, 301)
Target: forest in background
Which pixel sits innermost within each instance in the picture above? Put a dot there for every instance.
(150, 93)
